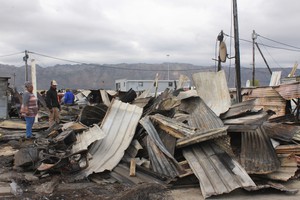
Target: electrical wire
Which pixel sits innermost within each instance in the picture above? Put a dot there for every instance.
(12, 54)
(278, 42)
(270, 55)
(110, 67)
(56, 58)
(274, 47)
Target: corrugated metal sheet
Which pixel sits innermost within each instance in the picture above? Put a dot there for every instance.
(257, 152)
(287, 168)
(119, 125)
(239, 109)
(212, 88)
(267, 98)
(84, 139)
(162, 161)
(120, 173)
(201, 137)
(283, 132)
(217, 172)
(200, 115)
(289, 91)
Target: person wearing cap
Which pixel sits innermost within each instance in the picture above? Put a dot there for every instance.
(53, 104)
(29, 108)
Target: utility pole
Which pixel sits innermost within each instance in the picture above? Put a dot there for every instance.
(168, 68)
(237, 53)
(14, 80)
(25, 58)
(254, 36)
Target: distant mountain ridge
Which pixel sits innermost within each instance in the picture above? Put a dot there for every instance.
(91, 76)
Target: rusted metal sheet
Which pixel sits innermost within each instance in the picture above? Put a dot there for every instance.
(245, 123)
(217, 172)
(287, 170)
(200, 115)
(289, 91)
(288, 149)
(201, 136)
(161, 159)
(173, 127)
(161, 163)
(212, 88)
(266, 98)
(257, 153)
(283, 132)
(119, 125)
(239, 109)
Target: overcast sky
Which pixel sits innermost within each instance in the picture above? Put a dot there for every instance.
(145, 31)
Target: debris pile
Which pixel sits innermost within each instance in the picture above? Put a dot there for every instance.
(177, 138)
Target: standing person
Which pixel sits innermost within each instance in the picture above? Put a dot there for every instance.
(53, 104)
(29, 108)
(69, 97)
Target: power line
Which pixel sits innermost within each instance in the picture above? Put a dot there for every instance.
(111, 67)
(274, 47)
(12, 54)
(278, 42)
(61, 59)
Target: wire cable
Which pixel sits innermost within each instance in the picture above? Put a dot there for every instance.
(12, 54)
(278, 42)
(61, 59)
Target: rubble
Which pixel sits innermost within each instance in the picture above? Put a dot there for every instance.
(179, 138)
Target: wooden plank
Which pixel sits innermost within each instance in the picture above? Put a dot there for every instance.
(132, 167)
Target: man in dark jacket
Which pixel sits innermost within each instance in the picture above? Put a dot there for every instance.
(53, 104)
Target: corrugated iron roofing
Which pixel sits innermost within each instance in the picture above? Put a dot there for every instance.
(267, 98)
(120, 173)
(258, 155)
(217, 172)
(84, 139)
(119, 125)
(239, 109)
(161, 159)
(287, 168)
(283, 132)
(200, 115)
(289, 91)
(212, 88)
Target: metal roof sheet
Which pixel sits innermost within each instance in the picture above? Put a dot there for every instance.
(257, 152)
(212, 88)
(84, 139)
(289, 91)
(162, 160)
(266, 98)
(217, 172)
(119, 125)
(200, 115)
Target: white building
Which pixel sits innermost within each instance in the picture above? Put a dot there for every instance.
(4, 97)
(124, 85)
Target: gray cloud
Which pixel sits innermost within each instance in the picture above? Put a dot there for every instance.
(115, 31)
